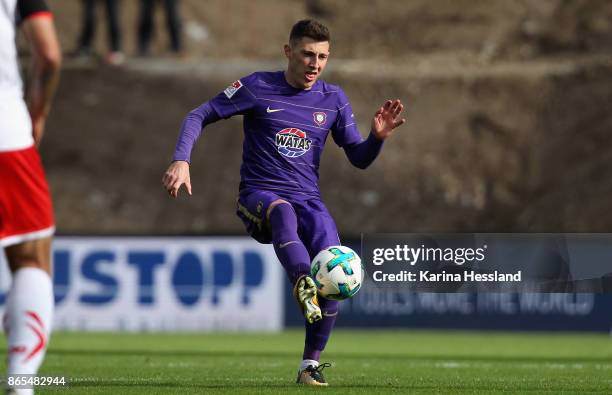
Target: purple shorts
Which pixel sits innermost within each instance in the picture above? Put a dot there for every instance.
(316, 227)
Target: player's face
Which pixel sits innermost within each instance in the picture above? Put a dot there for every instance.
(307, 59)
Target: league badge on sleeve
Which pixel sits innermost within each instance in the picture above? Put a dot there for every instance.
(319, 117)
(232, 89)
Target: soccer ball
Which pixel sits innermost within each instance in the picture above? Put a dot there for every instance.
(337, 272)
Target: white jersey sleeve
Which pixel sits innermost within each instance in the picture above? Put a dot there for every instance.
(15, 122)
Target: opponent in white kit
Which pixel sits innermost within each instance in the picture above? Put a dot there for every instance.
(26, 215)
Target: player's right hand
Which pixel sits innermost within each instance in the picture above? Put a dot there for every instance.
(177, 175)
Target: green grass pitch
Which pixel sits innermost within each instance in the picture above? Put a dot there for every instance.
(365, 362)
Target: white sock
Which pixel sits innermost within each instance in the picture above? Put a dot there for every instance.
(308, 362)
(28, 318)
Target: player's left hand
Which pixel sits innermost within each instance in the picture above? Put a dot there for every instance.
(387, 119)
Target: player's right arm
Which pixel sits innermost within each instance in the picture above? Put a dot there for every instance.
(38, 27)
(176, 176)
(237, 99)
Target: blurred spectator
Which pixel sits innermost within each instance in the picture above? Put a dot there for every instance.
(145, 26)
(84, 49)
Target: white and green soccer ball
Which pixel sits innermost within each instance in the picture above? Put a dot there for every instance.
(337, 272)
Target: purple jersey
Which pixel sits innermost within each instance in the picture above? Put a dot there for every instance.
(285, 130)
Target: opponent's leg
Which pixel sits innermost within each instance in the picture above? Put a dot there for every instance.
(26, 225)
(29, 305)
(293, 256)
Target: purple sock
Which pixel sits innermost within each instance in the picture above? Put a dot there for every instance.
(318, 334)
(289, 248)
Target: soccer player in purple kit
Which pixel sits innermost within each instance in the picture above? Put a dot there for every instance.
(287, 118)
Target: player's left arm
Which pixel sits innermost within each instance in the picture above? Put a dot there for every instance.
(38, 27)
(361, 153)
(387, 118)
(385, 121)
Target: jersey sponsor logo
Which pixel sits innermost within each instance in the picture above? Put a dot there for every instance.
(269, 110)
(292, 142)
(319, 117)
(232, 89)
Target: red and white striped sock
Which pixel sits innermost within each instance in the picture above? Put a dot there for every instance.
(27, 320)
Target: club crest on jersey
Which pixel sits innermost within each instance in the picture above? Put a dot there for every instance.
(319, 117)
(232, 89)
(292, 142)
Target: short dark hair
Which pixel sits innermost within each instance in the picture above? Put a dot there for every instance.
(309, 28)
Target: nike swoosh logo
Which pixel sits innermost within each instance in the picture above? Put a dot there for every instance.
(275, 110)
(283, 245)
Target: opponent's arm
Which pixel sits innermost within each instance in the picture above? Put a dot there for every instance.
(385, 121)
(40, 32)
(194, 123)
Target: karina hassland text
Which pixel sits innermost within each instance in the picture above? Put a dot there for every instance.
(443, 276)
(436, 255)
